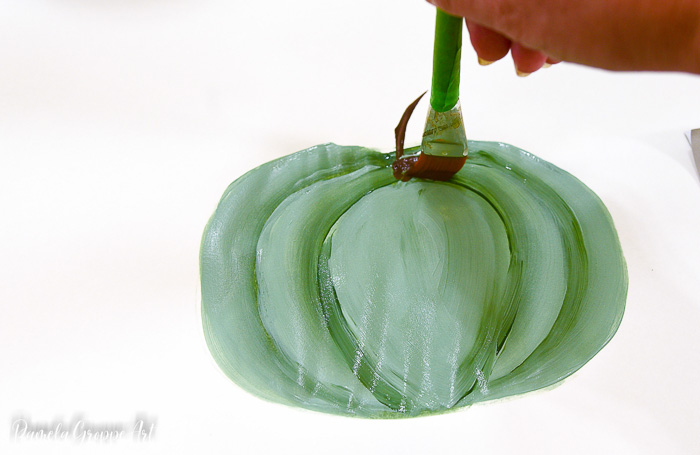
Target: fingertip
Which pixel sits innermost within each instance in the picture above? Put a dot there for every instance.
(526, 60)
(490, 46)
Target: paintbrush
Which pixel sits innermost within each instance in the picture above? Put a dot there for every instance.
(444, 145)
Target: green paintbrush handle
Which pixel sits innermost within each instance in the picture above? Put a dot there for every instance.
(446, 57)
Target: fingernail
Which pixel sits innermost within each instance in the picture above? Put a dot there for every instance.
(546, 65)
(483, 62)
(521, 74)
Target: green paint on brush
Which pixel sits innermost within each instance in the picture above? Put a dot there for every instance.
(447, 53)
(327, 284)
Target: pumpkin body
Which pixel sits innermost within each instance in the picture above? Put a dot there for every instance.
(327, 284)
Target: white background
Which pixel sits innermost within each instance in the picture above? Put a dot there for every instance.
(121, 124)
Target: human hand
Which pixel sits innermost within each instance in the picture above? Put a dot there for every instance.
(656, 35)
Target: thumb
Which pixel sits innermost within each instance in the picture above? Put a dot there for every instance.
(480, 11)
(511, 18)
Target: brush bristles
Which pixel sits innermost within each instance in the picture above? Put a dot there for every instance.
(428, 167)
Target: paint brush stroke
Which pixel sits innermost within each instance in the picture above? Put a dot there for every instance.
(328, 285)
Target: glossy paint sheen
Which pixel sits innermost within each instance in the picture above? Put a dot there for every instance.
(327, 284)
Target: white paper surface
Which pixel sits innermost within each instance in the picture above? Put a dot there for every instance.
(121, 124)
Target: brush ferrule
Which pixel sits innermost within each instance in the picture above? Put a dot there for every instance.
(444, 133)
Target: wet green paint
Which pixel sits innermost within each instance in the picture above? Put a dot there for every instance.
(328, 285)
